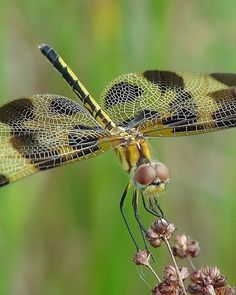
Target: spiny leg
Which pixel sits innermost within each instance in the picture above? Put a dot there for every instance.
(152, 206)
(146, 207)
(122, 200)
(159, 207)
(153, 211)
(137, 217)
(135, 206)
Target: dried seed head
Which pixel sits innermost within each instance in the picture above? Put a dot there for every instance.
(226, 290)
(171, 275)
(153, 238)
(165, 289)
(155, 291)
(180, 247)
(155, 242)
(212, 275)
(170, 284)
(210, 290)
(152, 234)
(185, 246)
(142, 258)
(208, 279)
(163, 228)
(160, 229)
(193, 248)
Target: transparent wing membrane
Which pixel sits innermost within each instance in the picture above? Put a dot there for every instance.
(46, 131)
(163, 103)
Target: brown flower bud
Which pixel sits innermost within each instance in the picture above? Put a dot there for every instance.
(141, 258)
(152, 234)
(155, 243)
(185, 246)
(209, 290)
(208, 280)
(195, 276)
(193, 248)
(159, 230)
(153, 238)
(195, 289)
(155, 291)
(163, 228)
(170, 285)
(165, 289)
(226, 290)
(170, 274)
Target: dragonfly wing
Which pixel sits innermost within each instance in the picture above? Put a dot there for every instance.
(163, 103)
(45, 131)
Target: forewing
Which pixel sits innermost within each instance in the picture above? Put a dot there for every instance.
(163, 103)
(46, 131)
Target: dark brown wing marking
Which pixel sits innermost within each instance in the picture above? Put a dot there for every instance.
(122, 92)
(166, 79)
(46, 131)
(17, 110)
(174, 103)
(225, 78)
(62, 106)
(3, 180)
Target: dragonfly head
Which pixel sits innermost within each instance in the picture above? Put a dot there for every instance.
(151, 178)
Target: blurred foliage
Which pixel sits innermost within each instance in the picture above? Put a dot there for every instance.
(61, 231)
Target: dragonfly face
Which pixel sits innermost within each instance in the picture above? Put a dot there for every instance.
(46, 131)
(151, 178)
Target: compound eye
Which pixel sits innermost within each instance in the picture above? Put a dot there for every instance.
(162, 172)
(144, 175)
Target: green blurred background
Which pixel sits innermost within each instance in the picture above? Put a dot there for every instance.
(61, 231)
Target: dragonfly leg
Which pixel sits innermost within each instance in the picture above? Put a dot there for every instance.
(158, 212)
(150, 210)
(135, 206)
(122, 200)
(159, 207)
(137, 217)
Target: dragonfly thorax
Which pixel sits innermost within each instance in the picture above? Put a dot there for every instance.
(133, 152)
(151, 178)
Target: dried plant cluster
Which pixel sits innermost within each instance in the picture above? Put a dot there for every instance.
(204, 281)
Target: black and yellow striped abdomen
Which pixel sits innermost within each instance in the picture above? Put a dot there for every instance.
(89, 103)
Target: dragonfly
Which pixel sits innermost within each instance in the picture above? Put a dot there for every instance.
(45, 131)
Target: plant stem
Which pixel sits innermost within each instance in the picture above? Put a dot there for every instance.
(153, 271)
(176, 266)
(190, 263)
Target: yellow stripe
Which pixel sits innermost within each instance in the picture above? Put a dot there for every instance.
(90, 104)
(72, 74)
